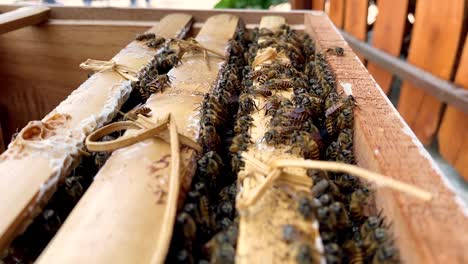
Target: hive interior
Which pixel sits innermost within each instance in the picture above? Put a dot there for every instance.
(315, 123)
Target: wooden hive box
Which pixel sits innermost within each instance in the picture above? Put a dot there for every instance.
(39, 69)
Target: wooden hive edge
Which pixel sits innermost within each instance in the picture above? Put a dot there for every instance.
(425, 232)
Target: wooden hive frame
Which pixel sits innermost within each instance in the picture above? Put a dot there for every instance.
(426, 232)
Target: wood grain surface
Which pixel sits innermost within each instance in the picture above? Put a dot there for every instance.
(453, 132)
(389, 29)
(23, 17)
(425, 232)
(434, 44)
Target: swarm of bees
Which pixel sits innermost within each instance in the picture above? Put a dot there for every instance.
(206, 227)
(316, 123)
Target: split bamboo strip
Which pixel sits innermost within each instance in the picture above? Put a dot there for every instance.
(31, 171)
(260, 226)
(127, 213)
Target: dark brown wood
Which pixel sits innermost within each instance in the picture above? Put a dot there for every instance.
(148, 14)
(337, 12)
(355, 20)
(388, 36)
(23, 17)
(434, 43)
(39, 65)
(453, 132)
(443, 90)
(425, 232)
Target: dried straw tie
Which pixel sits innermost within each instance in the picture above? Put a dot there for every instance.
(101, 66)
(274, 170)
(148, 129)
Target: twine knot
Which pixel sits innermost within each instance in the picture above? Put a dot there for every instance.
(274, 172)
(101, 66)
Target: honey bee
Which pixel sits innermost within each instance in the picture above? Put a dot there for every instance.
(345, 139)
(158, 84)
(305, 254)
(73, 188)
(243, 123)
(265, 32)
(356, 204)
(337, 51)
(297, 115)
(386, 254)
(229, 192)
(341, 215)
(240, 143)
(272, 136)
(354, 250)
(145, 36)
(312, 103)
(183, 256)
(272, 105)
(320, 187)
(209, 137)
(325, 199)
(333, 253)
(346, 182)
(155, 42)
(51, 221)
(187, 226)
(246, 103)
(223, 253)
(234, 48)
(372, 223)
(262, 91)
(209, 165)
(225, 209)
(138, 110)
(304, 145)
(348, 101)
(279, 84)
(205, 211)
(307, 207)
(373, 240)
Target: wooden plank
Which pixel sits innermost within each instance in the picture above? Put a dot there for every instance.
(2, 141)
(43, 60)
(149, 14)
(317, 4)
(390, 25)
(260, 226)
(433, 48)
(425, 232)
(23, 17)
(337, 11)
(453, 132)
(30, 169)
(355, 20)
(298, 4)
(131, 224)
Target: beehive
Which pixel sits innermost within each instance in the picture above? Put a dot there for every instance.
(425, 232)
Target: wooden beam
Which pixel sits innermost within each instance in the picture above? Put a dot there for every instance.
(23, 17)
(31, 167)
(453, 132)
(149, 14)
(2, 141)
(337, 12)
(260, 225)
(390, 25)
(425, 232)
(438, 27)
(39, 65)
(355, 20)
(130, 226)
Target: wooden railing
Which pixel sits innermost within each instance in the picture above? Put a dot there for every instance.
(437, 45)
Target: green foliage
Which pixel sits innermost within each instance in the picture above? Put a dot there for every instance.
(255, 4)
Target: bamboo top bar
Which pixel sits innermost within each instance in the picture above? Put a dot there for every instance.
(129, 198)
(46, 150)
